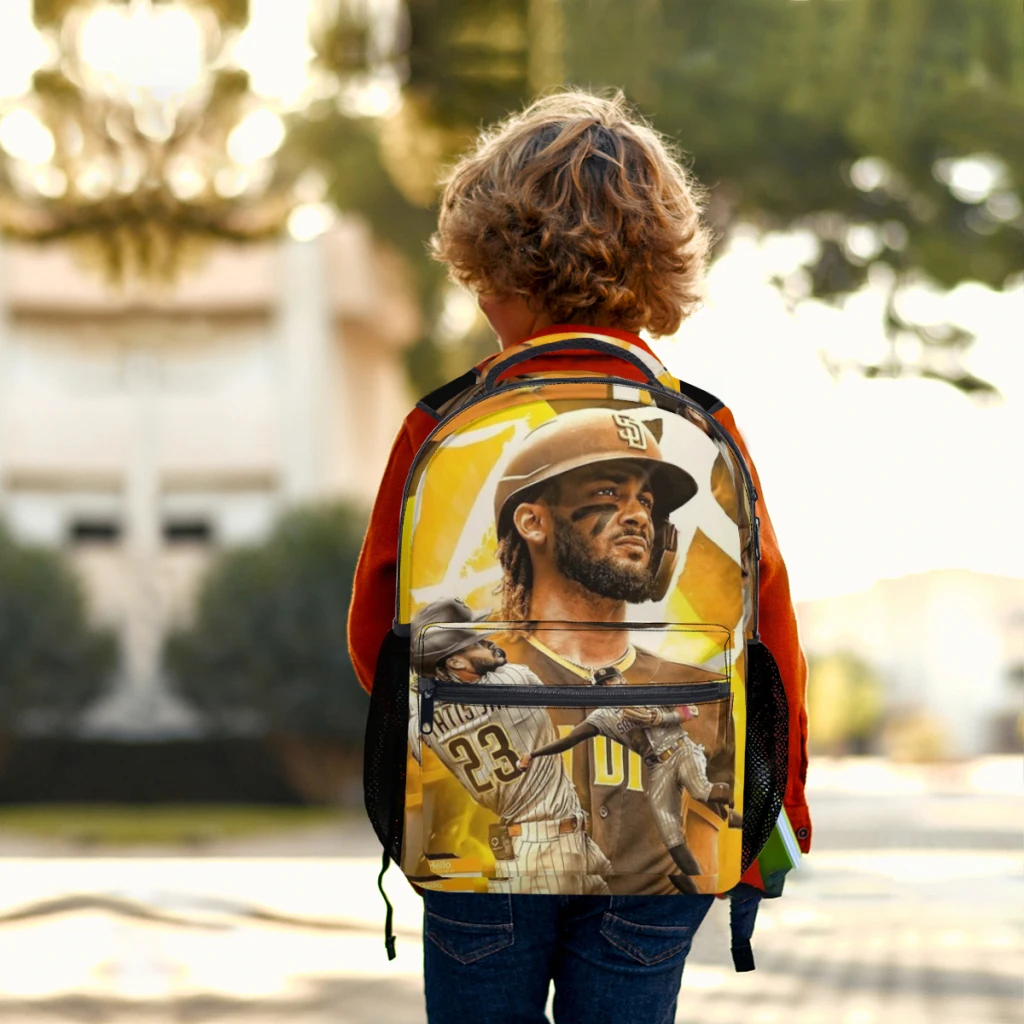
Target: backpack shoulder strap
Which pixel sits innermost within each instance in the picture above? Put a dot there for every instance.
(433, 403)
(704, 399)
(743, 903)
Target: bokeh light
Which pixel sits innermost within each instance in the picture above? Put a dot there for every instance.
(155, 52)
(274, 50)
(23, 51)
(25, 137)
(256, 137)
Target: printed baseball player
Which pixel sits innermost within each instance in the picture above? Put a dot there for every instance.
(582, 514)
(673, 760)
(540, 845)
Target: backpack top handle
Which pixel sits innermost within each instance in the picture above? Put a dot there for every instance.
(524, 353)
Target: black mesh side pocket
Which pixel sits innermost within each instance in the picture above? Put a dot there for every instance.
(767, 760)
(386, 746)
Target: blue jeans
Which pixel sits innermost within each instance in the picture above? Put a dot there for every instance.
(488, 959)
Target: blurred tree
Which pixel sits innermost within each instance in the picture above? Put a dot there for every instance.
(267, 648)
(893, 130)
(465, 63)
(845, 703)
(52, 663)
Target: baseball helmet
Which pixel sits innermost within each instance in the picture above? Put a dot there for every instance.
(432, 647)
(609, 676)
(583, 437)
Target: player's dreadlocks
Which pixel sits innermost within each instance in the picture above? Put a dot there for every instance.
(517, 577)
(516, 585)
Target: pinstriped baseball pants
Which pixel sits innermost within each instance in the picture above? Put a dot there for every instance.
(686, 769)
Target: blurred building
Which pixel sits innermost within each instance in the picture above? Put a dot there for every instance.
(144, 430)
(948, 643)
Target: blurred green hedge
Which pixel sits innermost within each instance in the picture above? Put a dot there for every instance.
(53, 664)
(266, 651)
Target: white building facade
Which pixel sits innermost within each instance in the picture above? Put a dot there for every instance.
(142, 431)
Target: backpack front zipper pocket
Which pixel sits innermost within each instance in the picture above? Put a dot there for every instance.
(431, 690)
(607, 769)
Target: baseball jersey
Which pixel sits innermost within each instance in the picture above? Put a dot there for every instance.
(480, 744)
(644, 739)
(612, 789)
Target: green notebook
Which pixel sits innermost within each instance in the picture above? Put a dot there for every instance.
(780, 854)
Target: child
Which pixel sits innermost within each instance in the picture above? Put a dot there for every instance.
(570, 215)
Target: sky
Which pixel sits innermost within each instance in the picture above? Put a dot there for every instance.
(863, 479)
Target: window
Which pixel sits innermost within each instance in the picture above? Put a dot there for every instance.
(94, 530)
(188, 531)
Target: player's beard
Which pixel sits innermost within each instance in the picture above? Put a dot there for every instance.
(487, 663)
(605, 577)
(479, 664)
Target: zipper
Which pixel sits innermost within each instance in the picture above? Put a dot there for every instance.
(561, 696)
(677, 396)
(755, 593)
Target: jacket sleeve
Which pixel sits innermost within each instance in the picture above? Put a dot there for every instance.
(779, 632)
(373, 590)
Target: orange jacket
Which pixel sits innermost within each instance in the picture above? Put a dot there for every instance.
(373, 593)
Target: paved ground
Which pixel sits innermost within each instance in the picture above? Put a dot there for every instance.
(909, 911)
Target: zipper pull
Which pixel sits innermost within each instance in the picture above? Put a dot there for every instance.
(426, 705)
(757, 537)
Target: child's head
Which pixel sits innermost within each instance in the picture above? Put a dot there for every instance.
(578, 207)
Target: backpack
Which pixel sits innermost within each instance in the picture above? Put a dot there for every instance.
(574, 697)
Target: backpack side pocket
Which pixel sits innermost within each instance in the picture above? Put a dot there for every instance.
(386, 746)
(767, 756)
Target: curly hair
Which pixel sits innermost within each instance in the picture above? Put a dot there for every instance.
(578, 205)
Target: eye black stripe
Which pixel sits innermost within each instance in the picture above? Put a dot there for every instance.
(592, 510)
